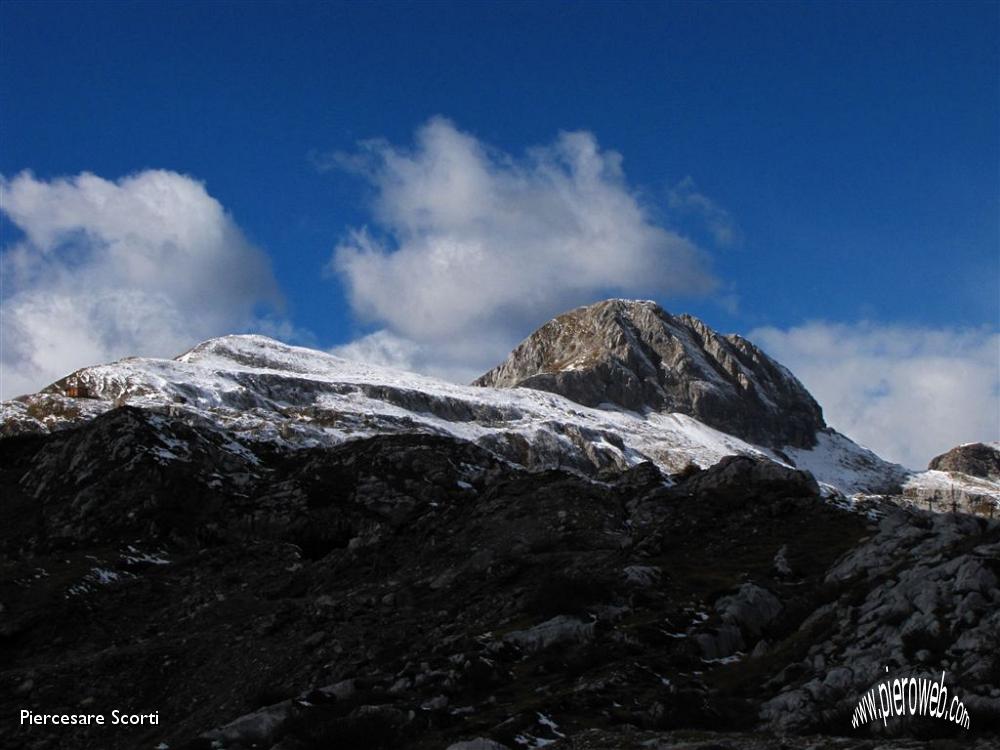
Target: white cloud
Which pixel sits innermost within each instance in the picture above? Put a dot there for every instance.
(684, 198)
(382, 348)
(907, 393)
(460, 360)
(147, 265)
(474, 246)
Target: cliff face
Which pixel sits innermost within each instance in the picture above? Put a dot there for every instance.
(635, 355)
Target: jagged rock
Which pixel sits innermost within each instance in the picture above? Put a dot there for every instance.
(745, 616)
(636, 356)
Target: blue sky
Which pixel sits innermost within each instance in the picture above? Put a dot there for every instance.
(832, 165)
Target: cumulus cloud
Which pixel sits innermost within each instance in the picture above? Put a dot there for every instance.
(146, 265)
(685, 198)
(471, 246)
(907, 393)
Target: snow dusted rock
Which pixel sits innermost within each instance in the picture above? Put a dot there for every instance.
(966, 478)
(953, 491)
(635, 355)
(265, 392)
(839, 462)
(975, 459)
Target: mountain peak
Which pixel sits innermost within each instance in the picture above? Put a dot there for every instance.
(255, 350)
(635, 355)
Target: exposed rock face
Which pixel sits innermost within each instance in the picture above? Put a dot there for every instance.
(975, 459)
(635, 355)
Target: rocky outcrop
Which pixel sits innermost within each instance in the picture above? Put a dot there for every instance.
(746, 477)
(966, 479)
(417, 591)
(920, 597)
(975, 459)
(636, 356)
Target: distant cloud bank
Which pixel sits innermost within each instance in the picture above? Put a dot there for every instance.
(145, 265)
(908, 393)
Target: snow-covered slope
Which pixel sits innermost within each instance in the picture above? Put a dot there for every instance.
(838, 461)
(947, 490)
(263, 391)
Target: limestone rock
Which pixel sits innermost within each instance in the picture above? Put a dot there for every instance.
(636, 356)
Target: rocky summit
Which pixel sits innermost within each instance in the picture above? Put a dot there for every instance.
(271, 547)
(635, 355)
(973, 459)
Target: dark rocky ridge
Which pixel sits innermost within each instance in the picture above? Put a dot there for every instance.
(975, 459)
(635, 355)
(413, 591)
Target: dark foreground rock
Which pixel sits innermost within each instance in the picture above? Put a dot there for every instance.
(418, 592)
